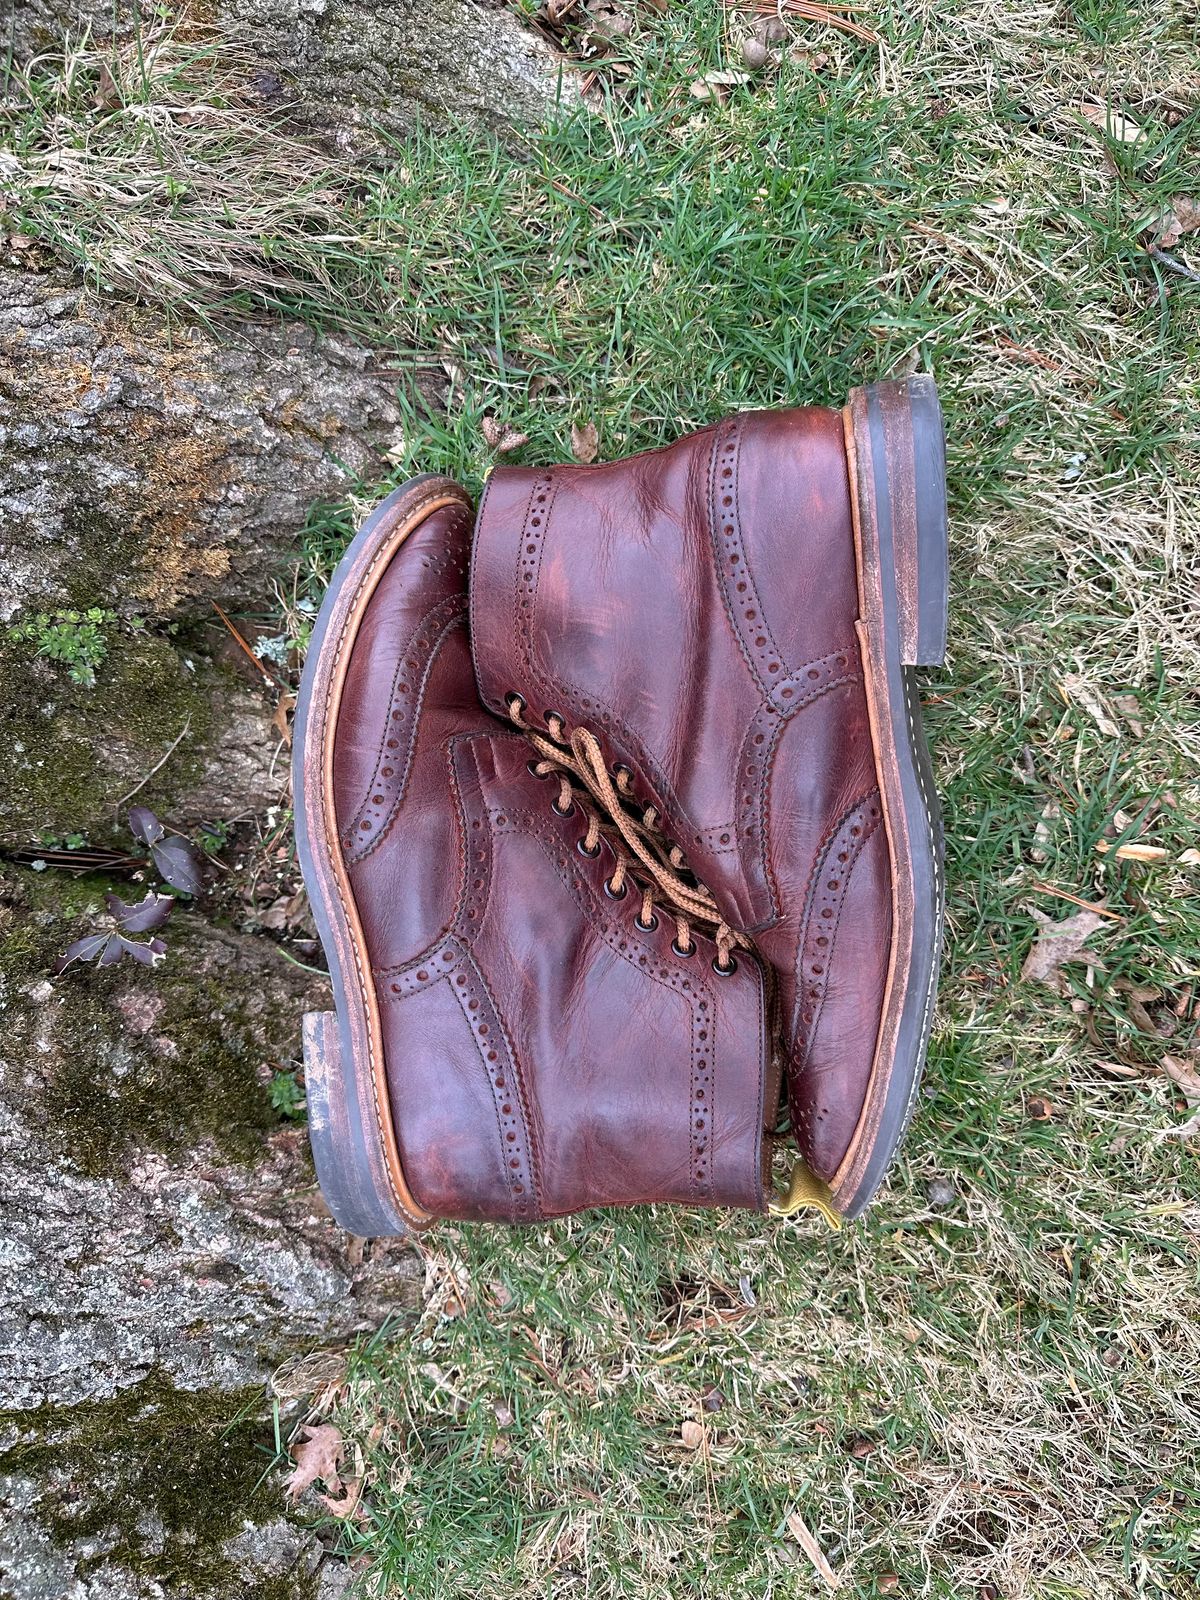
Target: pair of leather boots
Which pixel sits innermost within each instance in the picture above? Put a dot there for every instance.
(619, 829)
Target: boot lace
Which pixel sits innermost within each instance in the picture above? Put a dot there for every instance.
(578, 763)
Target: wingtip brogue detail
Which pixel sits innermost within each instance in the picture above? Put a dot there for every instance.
(521, 1029)
(730, 624)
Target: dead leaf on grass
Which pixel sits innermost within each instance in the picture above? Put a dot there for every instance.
(717, 85)
(1132, 852)
(807, 1541)
(1057, 944)
(502, 436)
(316, 1456)
(1076, 690)
(1182, 217)
(1117, 126)
(1183, 1073)
(585, 442)
(692, 1434)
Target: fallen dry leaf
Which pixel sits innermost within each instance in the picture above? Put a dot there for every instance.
(1183, 217)
(501, 436)
(1116, 126)
(717, 85)
(1184, 1074)
(585, 442)
(1078, 691)
(1058, 943)
(1132, 852)
(316, 1456)
(692, 1435)
(804, 1537)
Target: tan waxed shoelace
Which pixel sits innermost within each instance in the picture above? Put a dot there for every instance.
(583, 761)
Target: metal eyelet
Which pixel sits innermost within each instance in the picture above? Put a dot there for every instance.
(581, 846)
(622, 771)
(725, 972)
(515, 704)
(646, 927)
(612, 893)
(559, 811)
(554, 716)
(533, 767)
(684, 955)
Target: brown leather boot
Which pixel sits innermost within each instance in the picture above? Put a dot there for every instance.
(519, 1032)
(719, 635)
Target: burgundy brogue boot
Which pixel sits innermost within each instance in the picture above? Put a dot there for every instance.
(722, 634)
(519, 1032)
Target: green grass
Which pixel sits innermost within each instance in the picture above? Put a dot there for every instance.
(998, 1392)
(992, 1397)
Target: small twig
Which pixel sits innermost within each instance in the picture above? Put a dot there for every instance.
(161, 762)
(1088, 905)
(257, 660)
(1174, 266)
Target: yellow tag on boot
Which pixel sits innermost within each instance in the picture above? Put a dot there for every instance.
(805, 1193)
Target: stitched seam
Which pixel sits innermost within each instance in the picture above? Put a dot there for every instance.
(400, 663)
(702, 1006)
(389, 817)
(522, 1098)
(364, 996)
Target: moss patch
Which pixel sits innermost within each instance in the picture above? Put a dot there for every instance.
(75, 751)
(135, 1059)
(160, 1478)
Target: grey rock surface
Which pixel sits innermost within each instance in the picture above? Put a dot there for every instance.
(150, 468)
(158, 1216)
(164, 1249)
(350, 64)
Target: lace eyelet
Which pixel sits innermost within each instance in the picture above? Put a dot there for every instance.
(725, 972)
(581, 846)
(612, 893)
(684, 955)
(554, 716)
(621, 771)
(533, 768)
(646, 927)
(559, 811)
(515, 704)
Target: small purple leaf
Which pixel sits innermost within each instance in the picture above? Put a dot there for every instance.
(144, 825)
(111, 953)
(148, 914)
(148, 954)
(84, 949)
(180, 864)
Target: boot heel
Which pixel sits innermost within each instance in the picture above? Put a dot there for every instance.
(348, 1164)
(898, 428)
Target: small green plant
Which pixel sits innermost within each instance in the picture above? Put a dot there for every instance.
(75, 639)
(287, 1096)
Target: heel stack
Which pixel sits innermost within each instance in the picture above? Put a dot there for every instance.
(347, 1156)
(900, 450)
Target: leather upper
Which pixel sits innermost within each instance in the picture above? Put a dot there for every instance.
(695, 608)
(543, 1054)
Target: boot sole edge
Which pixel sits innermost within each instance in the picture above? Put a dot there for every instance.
(896, 445)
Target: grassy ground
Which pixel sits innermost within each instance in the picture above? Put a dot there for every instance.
(994, 1396)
